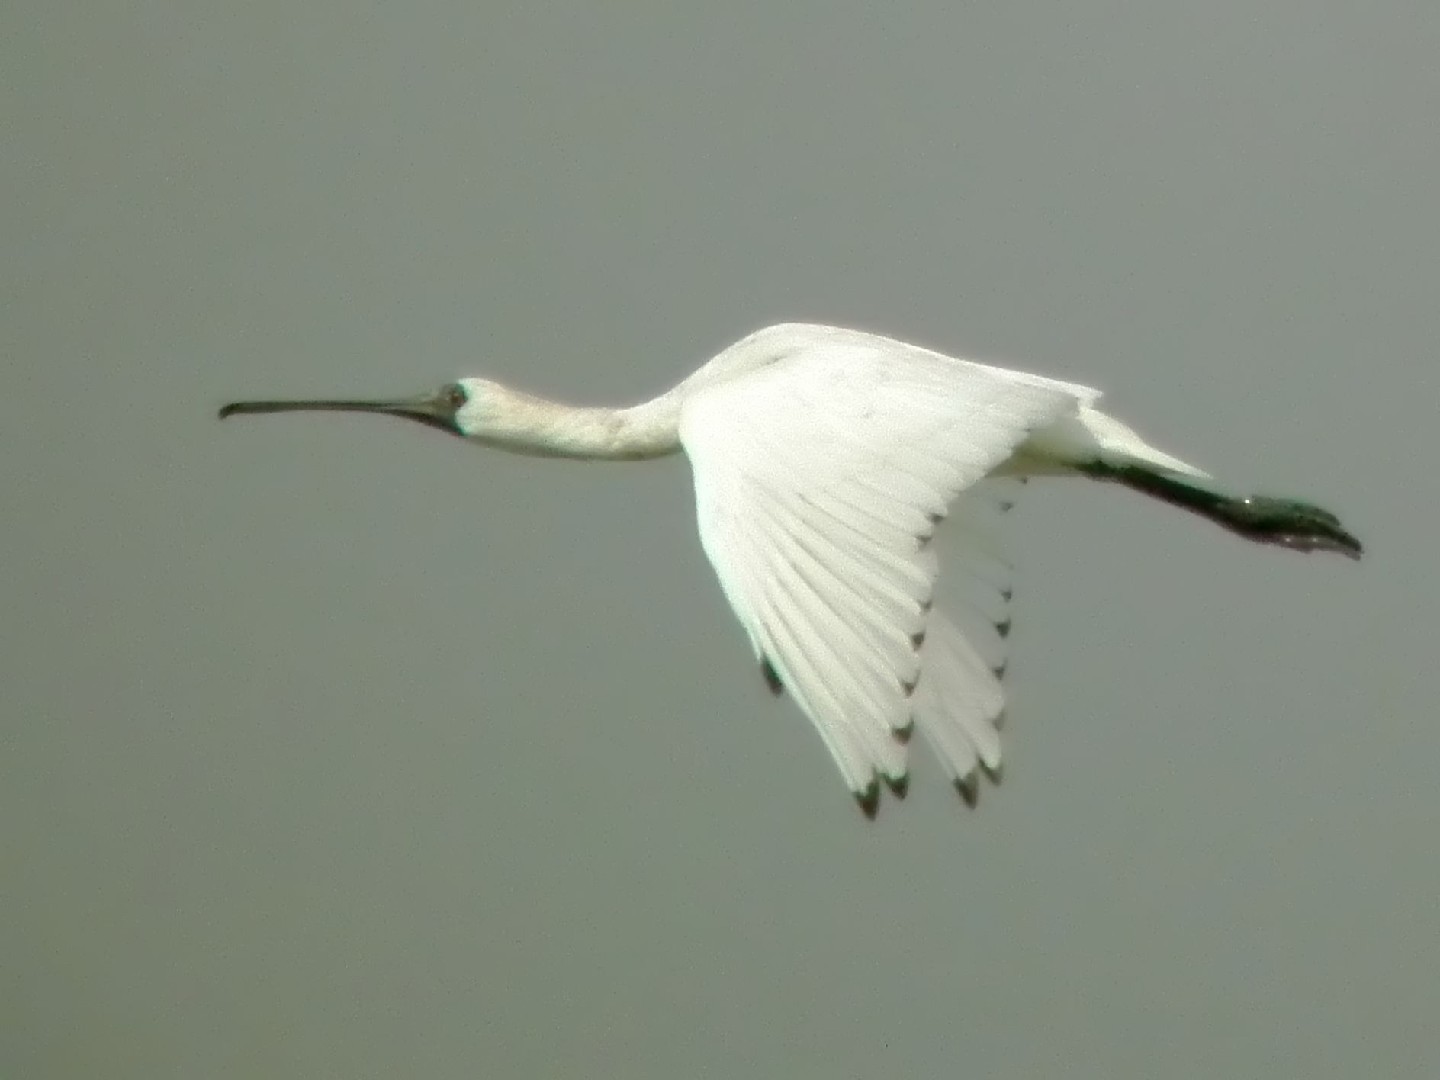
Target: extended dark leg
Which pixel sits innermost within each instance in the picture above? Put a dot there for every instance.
(1266, 520)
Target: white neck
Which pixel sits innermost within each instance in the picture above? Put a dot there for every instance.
(525, 424)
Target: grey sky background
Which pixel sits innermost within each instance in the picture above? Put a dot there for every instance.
(336, 748)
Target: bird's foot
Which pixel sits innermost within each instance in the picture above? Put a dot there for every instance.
(1289, 523)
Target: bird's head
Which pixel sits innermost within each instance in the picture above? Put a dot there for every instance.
(465, 407)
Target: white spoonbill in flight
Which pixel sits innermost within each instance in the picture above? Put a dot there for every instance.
(846, 490)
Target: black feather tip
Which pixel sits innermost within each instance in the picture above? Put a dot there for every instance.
(771, 676)
(899, 785)
(869, 800)
(969, 789)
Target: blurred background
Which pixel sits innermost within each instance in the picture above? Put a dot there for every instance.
(332, 747)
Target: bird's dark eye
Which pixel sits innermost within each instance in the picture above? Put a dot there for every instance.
(455, 395)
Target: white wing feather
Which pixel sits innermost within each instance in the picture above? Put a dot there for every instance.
(960, 702)
(819, 481)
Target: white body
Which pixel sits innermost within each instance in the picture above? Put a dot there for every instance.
(824, 461)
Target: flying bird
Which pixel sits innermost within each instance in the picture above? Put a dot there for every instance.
(848, 488)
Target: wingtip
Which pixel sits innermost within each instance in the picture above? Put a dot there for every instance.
(968, 787)
(771, 676)
(868, 800)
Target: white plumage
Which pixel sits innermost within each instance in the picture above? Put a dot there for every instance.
(848, 488)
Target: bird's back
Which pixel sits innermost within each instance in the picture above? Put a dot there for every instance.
(787, 341)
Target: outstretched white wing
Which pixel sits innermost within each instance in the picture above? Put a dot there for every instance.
(819, 482)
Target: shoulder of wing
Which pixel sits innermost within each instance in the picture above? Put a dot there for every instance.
(866, 388)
